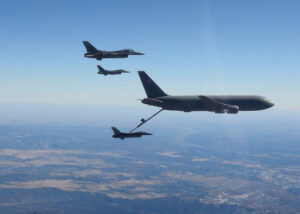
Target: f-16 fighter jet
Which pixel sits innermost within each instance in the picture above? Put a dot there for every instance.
(92, 52)
(108, 72)
(218, 104)
(121, 135)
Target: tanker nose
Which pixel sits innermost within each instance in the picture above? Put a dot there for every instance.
(268, 104)
(271, 104)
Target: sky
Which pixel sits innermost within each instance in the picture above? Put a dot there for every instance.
(191, 47)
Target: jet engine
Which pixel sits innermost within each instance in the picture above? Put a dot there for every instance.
(229, 109)
(232, 109)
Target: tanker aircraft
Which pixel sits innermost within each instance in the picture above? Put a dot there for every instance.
(230, 104)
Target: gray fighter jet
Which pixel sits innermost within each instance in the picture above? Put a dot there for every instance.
(218, 104)
(108, 72)
(92, 52)
(121, 135)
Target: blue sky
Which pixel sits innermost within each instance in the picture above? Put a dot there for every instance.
(192, 47)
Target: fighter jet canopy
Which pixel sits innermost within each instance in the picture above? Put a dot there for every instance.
(129, 50)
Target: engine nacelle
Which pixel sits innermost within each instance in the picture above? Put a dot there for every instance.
(232, 109)
(229, 109)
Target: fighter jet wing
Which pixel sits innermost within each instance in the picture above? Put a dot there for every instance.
(212, 103)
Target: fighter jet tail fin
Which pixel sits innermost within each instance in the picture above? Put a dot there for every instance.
(152, 90)
(115, 130)
(89, 47)
(100, 68)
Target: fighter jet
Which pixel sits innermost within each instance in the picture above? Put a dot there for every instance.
(218, 104)
(107, 72)
(121, 135)
(92, 52)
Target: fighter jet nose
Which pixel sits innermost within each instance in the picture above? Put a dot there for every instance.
(139, 53)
